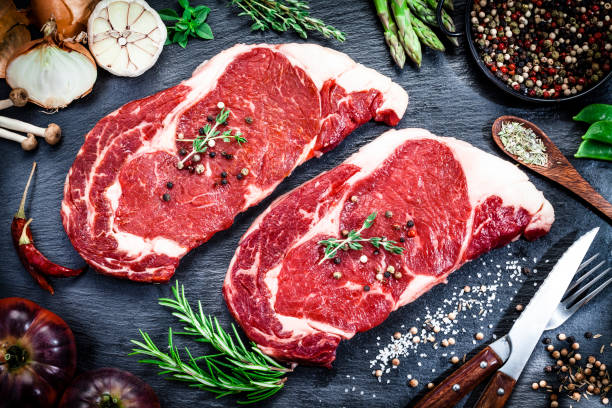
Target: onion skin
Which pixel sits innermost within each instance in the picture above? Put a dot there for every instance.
(88, 389)
(50, 42)
(13, 32)
(51, 354)
(71, 15)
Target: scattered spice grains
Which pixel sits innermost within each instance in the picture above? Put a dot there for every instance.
(576, 380)
(439, 328)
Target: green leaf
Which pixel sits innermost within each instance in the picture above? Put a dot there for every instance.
(226, 139)
(201, 15)
(186, 15)
(204, 31)
(184, 3)
(168, 14)
(370, 220)
(182, 26)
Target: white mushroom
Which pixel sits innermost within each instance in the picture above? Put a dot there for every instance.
(18, 97)
(52, 134)
(27, 143)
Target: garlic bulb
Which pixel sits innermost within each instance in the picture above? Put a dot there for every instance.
(53, 76)
(125, 36)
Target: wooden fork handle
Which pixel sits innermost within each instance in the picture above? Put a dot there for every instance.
(497, 392)
(450, 391)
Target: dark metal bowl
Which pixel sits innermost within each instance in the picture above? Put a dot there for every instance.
(480, 63)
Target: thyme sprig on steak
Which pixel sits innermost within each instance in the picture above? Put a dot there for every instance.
(354, 239)
(233, 369)
(208, 135)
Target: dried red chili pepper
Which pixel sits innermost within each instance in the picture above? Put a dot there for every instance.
(32, 259)
(38, 260)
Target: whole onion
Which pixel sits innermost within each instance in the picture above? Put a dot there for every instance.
(71, 15)
(37, 355)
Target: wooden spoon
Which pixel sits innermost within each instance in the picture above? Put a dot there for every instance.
(559, 169)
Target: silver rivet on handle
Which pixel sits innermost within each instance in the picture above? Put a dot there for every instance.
(483, 364)
(456, 387)
(500, 391)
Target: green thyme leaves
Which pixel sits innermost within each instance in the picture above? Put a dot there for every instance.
(353, 241)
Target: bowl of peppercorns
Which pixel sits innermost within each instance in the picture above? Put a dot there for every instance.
(542, 50)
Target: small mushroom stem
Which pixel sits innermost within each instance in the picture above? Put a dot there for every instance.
(17, 97)
(27, 143)
(52, 133)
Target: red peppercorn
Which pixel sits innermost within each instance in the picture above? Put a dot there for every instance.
(504, 70)
(581, 81)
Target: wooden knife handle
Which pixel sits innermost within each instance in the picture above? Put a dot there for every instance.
(498, 391)
(450, 391)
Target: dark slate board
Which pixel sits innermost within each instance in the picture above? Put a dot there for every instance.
(447, 96)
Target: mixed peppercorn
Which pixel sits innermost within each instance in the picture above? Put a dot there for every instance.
(578, 377)
(544, 49)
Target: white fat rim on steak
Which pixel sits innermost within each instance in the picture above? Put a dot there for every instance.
(486, 175)
(320, 64)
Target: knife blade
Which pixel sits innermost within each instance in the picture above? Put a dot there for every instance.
(527, 329)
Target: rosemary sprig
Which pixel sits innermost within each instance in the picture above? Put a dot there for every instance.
(353, 240)
(201, 143)
(284, 15)
(232, 370)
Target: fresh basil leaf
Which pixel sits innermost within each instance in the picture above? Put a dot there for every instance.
(168, 15)
(182, 26)
(200, 18)
(202, 11)
(186, 15)
(184, 3)
(204, 31)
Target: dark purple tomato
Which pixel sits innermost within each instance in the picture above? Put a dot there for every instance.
(109, 388)
(37, 355)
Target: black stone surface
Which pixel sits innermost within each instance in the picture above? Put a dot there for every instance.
(447, 96)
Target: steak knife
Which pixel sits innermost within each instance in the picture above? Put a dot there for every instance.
(509, 354)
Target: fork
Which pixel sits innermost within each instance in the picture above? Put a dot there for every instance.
(574, 299)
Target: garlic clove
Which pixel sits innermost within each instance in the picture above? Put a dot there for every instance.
(125, 36)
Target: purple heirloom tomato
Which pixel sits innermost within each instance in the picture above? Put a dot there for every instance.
(37, 355)
(109, 388)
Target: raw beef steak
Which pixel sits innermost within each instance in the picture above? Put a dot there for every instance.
(443, 200)
(291, 102)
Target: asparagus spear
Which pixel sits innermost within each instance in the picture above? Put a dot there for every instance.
(425, 34)
(428, 15)
(397, 52)
(448, 4)
(407, 36)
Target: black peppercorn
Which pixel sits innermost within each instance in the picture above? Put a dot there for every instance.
(588, 335)
(571, 340)
(169, 184)
(166, 197)
(182, 152)
(223, 174)
(239, 176)
(202, 131)
(366, 288)
(410, 224)
(210, 118)
(224, 181)
(248, 120)
(212, 155)
(336, 260)
(402, 239)
(387, 274)
(546, 340)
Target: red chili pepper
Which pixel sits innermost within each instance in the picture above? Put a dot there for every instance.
(38, 260)
(32, 259)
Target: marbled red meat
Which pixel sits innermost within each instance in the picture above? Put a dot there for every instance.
(448, 201)
(303, 100)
